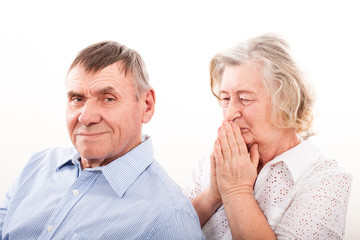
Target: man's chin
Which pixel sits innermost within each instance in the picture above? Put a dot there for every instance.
(90, 154)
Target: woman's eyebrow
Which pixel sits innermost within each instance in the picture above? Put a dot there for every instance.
(237, 92)
(223, 92)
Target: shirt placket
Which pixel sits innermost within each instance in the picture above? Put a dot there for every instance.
(78, 189)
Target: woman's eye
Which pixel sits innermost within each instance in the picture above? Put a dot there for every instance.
(245, 101)
(225, 99)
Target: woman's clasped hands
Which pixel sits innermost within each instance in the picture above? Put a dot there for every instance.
(233, 164)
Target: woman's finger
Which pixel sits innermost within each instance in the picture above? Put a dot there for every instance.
(219, 160)
(212, 165)
(224, 145)
(254, 155)
(233, 145)
(239, 139)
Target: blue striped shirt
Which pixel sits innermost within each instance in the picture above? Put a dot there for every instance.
(130, 198)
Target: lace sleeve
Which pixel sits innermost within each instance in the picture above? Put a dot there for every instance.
(199, 180)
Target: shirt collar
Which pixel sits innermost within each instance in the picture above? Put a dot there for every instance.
(299, 158)
(122, 172)
(71, 160)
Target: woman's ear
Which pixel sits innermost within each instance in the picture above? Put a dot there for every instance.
(149, 105)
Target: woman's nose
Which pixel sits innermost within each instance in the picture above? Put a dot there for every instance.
(233, 110)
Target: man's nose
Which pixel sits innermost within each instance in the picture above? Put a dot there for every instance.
(90, 113)
(233, 111)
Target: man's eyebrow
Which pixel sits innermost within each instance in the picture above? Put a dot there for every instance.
(105, 90)
(99, 92)
(73, 93)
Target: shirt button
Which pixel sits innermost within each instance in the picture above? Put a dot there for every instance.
(50, 228)
(75, 192)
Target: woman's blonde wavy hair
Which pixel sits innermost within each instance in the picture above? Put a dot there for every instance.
(292, 98)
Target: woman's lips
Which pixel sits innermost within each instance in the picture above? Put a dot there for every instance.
(244, 130)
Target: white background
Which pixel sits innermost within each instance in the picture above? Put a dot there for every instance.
(38, 41)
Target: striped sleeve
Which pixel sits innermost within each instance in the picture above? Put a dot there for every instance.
(179, 226)
(5, 204)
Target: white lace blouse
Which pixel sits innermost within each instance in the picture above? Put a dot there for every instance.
(303, 194)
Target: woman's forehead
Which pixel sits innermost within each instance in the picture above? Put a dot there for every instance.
(244, 78)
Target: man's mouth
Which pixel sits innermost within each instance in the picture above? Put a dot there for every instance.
(89, 134)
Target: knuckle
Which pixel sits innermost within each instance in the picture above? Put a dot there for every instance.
(226, 150)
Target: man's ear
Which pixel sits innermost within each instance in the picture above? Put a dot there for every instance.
(149, 105)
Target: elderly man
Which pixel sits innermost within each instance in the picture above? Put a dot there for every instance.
(109, 186)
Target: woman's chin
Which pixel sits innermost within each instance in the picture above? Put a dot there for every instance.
(248, 139)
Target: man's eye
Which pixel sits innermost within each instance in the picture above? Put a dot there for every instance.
(225, 99)
(109, 99)
(77, 99)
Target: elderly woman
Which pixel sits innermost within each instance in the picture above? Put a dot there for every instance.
(267, 179)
